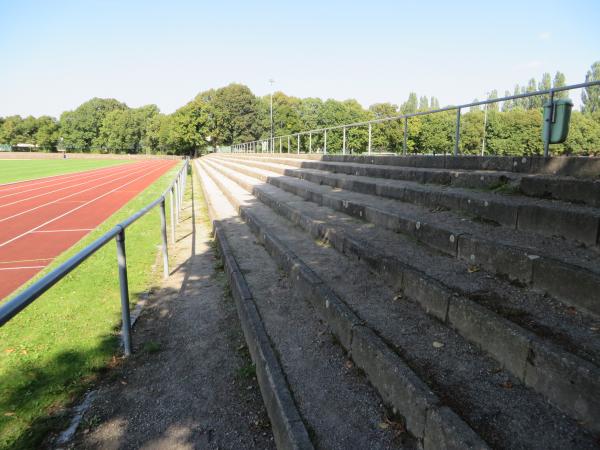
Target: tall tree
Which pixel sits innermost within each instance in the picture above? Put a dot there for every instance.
(560, 81)
(493, 106)
(410, 106)
(531, 102)
(423, 103)
(591, 95)
(507, 105)
(518, 103)
(544, 85)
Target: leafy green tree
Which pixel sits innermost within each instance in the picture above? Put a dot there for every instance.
(122, 131)
(233, 114)
(583, 137)
(514, 133)
(437, 132)
(10, 130)
(157, 136)
(191, 126)
(591, 95)
(389, 135)
(286, 115)
(47, 134)
(423, 103)
(471, 132)
(81, 127)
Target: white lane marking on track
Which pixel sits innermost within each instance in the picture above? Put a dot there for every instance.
(63, 231)
(21, 268)
(50, 179)
(84, 175)
(25, 260)
(139, 169)
(87, 181)
(79, 207)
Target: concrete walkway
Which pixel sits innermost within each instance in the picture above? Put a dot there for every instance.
(190, 383)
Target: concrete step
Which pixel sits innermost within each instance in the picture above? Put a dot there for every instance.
(546, 217)
(548, 350)
(370, 319)
(566, 188)
(580, 167)
(334, 403)
(566, 272)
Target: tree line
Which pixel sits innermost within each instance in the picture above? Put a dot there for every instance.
(233, 114)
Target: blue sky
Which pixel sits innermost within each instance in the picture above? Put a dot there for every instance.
(57, 54)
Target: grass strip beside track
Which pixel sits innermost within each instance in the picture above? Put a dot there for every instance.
(12, 170)
(58, 346)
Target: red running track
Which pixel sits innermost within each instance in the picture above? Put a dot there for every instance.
(40, 219)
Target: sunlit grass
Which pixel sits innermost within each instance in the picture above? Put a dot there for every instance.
(53, 350)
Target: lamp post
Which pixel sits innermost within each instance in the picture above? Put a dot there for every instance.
(484, 124)
(271, 81)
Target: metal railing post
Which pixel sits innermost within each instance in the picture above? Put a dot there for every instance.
(177, 200)
(280, 145)
(172, 214)
(457, 136)
(369, 145)
(405, 135)
(183, 183)
(126, 317)
(309, 142)
(325, 142)
(549, 127)
(344, 141)
(298, 143)
(180, 185)
(182, 190)
(163, 232)
(289, 140)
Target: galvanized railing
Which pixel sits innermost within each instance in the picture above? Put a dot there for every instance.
(259, 146)
(175, 191)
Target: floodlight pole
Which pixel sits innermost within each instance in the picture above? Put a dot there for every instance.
(271, 81)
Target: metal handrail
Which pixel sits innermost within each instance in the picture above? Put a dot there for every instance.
(19, 302)
(251, 146)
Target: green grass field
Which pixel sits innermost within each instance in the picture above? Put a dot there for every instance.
(58, 346)
(28, 169)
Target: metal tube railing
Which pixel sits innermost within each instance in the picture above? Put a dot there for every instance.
(15, 305)
(458, 108)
